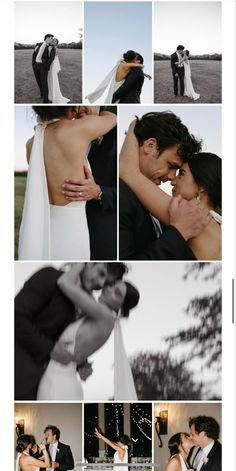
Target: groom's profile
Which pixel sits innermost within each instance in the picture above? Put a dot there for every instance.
(177, 70)
(41, 61)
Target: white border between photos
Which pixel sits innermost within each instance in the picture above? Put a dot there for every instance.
(7, 231)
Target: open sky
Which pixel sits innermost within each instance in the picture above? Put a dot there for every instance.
(202, 121)
(195, 25)
(163, 297)
(112, 28)
(35, 19)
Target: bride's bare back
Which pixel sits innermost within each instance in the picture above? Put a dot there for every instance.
(124, 68)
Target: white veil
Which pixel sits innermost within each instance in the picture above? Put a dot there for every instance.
(101, 88)
(124, 388)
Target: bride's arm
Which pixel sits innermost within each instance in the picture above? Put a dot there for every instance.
(38, 462)
(113, 445)
(130, 65)
(96, 126)
(150, 195)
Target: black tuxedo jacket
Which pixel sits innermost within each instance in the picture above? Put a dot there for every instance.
(174, 58)
(214, 458)
(42, 312)
(138, 239)
(130, 90)
(47, 57)
(63, 456)
(102, 215)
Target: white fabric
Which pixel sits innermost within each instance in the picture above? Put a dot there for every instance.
(40, 52)
(18, 468)
(50, 232)
(216, 216)
(179, 59)
(125, 460)
(52, 452)
(109, 80)
(188, 86)
(54, 92)
(124, 388)
(61, 382)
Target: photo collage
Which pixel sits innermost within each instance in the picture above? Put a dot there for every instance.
(118, 235)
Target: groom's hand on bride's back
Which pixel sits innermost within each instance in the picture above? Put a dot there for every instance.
(85, 370)
(61, 354)
(188, 217)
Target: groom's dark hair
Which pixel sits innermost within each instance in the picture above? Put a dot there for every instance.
(54, 429)
(209, 425)
(139, 58)
(48, 35)
(180, 48)
(131, 299)
(168, 130)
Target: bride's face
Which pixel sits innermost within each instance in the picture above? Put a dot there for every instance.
(184, 184)
(186, 442)
(113, 296)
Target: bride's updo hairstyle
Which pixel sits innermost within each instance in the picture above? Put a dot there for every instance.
(187, 52)
(24, 441)
(174, 443)
(206, 171)
(129, 56)
(124, 439)
(131, 299)
(46, 113)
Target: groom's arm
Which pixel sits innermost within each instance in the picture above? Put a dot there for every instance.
(51, 57)
(128, 84)
(173, 65)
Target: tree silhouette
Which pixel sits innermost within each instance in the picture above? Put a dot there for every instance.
(204, 335)
(158, 376)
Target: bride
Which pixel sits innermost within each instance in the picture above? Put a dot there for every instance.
(188, 86)
(198, 178)
(51, 228)
(121, 447)
(54, 92)
(26, 462)
(86, 335)
(179, 446)
(116, 77)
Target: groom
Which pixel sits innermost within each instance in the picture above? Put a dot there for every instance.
(41, 61)
(205, 434)
(177, 70)
(130, 90)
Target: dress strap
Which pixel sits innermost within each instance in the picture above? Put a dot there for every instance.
(44, 124)
(216, 216)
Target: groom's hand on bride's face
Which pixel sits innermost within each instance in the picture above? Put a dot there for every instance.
(82, 189)
(61, 354)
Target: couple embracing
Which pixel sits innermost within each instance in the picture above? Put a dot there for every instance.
(59, 324)
(46, 65)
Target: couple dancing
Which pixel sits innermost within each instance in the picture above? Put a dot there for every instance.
(181, 70)
(59, 324)
(46, 66)
(204, 434)
(55, 227)
(154, 226)
(125, 81)
(50, 455)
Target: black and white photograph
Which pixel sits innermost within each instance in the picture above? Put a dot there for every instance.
(48, 52)
(65, 183)
(118, 433)
(187, 52)
(187, 436)
(110, 331)
(170, 183)
(48, 436)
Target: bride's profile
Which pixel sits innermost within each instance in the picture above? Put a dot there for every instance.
(54, 91)
(116, 77)
(188, 86)
(198, 179)
(26, 462)
(86, 335)
(51, 228)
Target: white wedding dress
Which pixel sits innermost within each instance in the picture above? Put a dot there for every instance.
(50, 232)
(54, 92)
(188, 86)
(124, 387)
(61, 382)
(108, 81)
(125, 460)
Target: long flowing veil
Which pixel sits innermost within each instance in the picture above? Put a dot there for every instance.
(124, 388)
(34, 237)
(101, 88)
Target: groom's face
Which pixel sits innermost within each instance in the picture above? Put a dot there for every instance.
(158, 168)
(94, 276)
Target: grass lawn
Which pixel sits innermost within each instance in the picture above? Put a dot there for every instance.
(206, 79)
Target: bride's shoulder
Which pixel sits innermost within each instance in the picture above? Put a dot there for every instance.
(173, 464)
